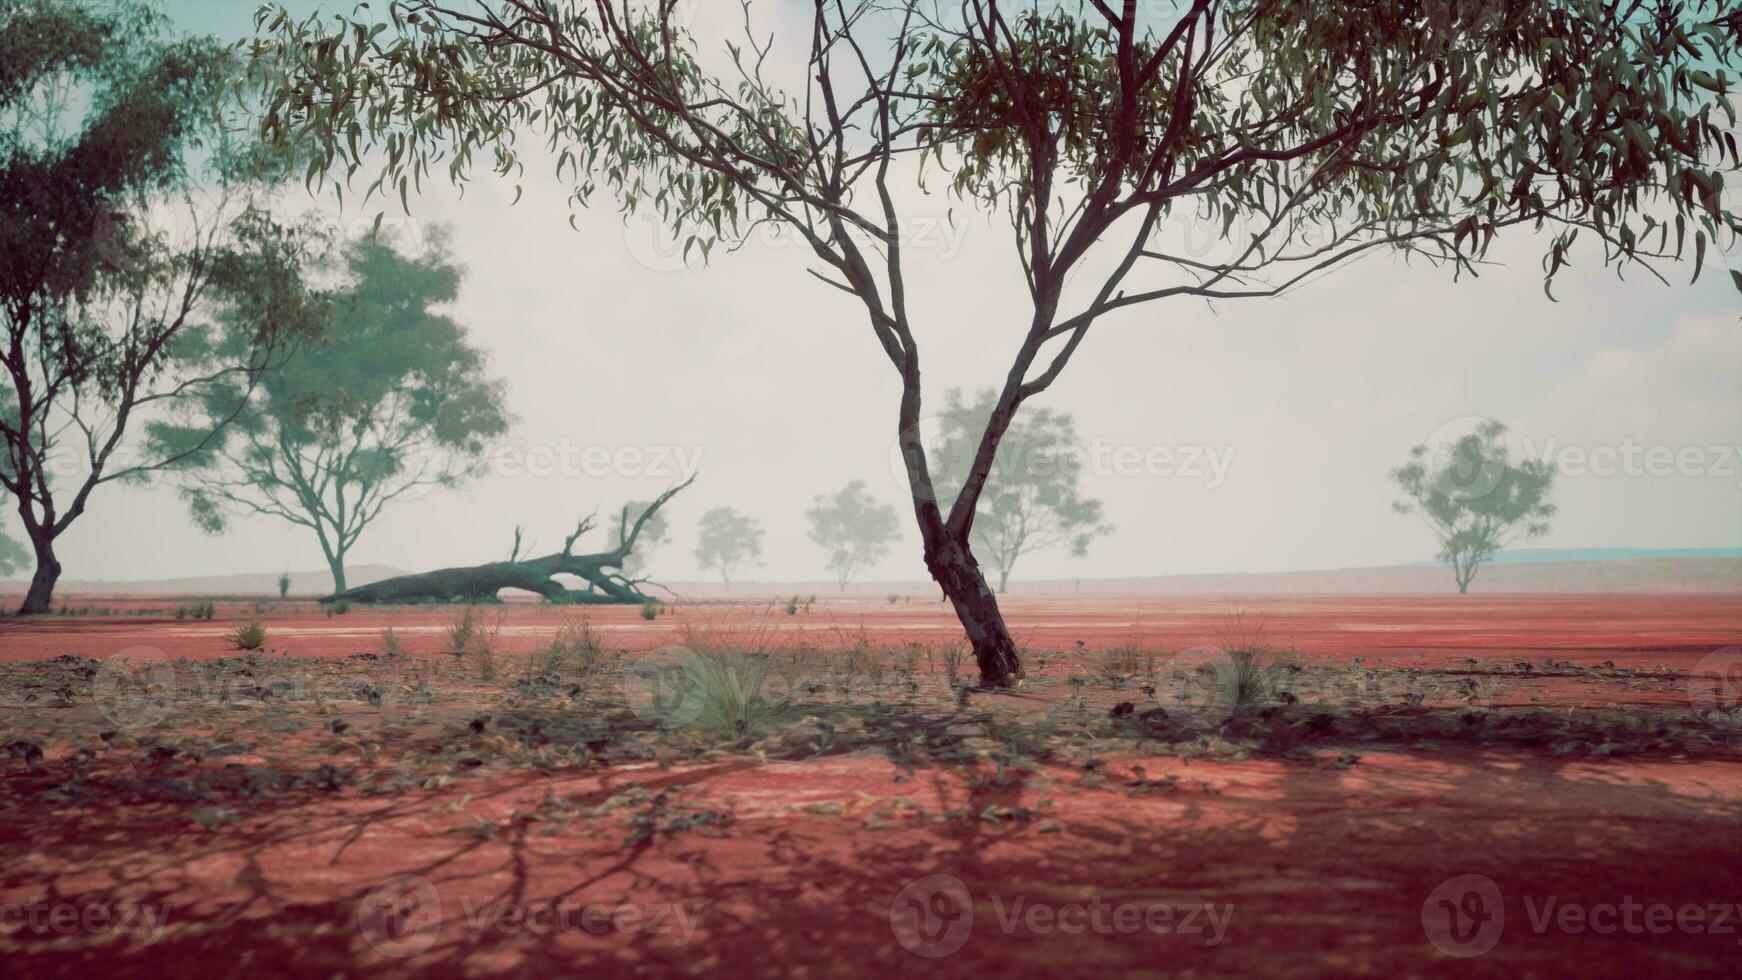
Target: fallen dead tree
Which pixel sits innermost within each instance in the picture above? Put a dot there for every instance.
(602, 571)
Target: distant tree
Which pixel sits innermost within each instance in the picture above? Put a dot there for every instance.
(126, 207)
(13, 555)
(1304, 136)
(854, 530)
(284, 586)
(654, 533)
(1033, 500)
(393, 400)
(1474, 498)
(727, 541)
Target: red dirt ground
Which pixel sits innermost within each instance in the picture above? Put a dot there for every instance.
(1327, 866)
(1632, 630)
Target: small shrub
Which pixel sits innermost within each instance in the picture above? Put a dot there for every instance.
(576, 648)
(463, 630)
(181, 612)
(341, 607)
(284, 586)
(390, 646)
(1117, 664)
(248, 636)
(207, 611)
(650, 612)
(953, 654)
(723, 692)
(792, 606)
(893, 598)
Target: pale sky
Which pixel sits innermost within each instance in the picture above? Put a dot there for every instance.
(1290, 412)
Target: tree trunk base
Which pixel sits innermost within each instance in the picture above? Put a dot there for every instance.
(40, 599)
(957, 573)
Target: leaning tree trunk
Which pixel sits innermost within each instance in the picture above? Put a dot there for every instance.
(336, 564)
(952, 564)
(40, 598)
(606, 583)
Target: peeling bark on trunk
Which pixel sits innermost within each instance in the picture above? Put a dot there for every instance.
(606, 583)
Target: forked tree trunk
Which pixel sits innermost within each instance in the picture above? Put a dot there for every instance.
(40, 598)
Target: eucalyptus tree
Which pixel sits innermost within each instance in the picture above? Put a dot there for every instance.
(853, 528)
(726, 541)
(393, 399)
(1476, 499)
(1309, 133)
(127, 206)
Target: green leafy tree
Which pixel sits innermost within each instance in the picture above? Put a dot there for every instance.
(1475, 498)
(853, 529)
(126, 209)
(727, 541)
(392, 401)
(13, 556)
(1033, 499)
(1308, 133)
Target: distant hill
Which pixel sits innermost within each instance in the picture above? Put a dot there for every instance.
(1532, 556)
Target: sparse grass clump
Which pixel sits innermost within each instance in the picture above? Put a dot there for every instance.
(1117, 665)
(576, 648)
(462, 630)
(390, 646)
(469, 638)
(248, 636)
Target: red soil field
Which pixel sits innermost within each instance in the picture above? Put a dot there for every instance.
(1345, 858)
(1629, 629)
